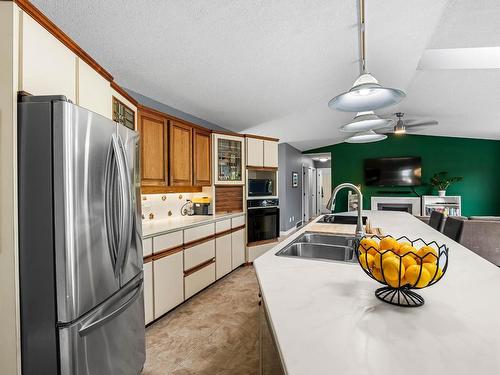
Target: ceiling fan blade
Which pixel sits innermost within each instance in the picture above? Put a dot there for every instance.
(420, 123)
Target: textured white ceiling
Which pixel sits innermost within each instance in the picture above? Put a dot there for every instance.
(270, 67)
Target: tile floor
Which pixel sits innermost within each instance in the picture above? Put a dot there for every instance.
(215, 332)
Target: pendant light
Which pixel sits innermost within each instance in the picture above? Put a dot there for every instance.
(366, 94)
(366, 137)
(366, 121)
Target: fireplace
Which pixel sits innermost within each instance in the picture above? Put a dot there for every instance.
(402, 204)
(403, 207)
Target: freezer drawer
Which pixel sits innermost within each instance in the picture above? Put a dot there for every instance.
(109, 339)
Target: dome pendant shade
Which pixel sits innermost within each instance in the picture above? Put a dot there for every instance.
(366, 94)
(366, 121)
(366, 137)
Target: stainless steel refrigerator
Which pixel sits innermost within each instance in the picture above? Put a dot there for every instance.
(81, 281)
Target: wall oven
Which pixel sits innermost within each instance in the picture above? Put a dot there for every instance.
(260, 187)
(263, 219)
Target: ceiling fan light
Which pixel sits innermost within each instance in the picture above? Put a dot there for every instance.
(399, 129)
(366, 121)
(366, 94)
(366, 137)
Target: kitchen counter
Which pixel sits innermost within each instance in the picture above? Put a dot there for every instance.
(326, 319)
(152, 228)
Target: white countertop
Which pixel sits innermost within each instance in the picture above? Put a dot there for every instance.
(327, 320)
(152, 228)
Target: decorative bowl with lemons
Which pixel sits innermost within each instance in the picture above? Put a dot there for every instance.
(402, 265)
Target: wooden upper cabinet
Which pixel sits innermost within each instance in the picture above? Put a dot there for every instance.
(201, 158)
(181, 156)
(154, 149)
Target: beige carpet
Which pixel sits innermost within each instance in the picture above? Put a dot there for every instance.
(215, 332)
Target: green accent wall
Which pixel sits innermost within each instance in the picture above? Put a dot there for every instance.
(477, 160)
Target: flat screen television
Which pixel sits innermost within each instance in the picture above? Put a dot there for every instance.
(403, 171)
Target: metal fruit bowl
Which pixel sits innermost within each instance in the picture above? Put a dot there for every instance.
(408, 265)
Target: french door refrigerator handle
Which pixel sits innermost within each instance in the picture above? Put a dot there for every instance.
(125, 219)
(92, 323)
(110, 213)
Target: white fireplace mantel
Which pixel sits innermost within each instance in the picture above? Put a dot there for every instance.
(414, 201)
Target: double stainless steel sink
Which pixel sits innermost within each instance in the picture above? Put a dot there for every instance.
(321, 246)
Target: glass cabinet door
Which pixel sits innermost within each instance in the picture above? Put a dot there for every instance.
(229, 153)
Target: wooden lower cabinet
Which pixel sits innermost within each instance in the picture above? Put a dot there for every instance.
(223, 256)
(238, 248)
(168, 275)
(199, 280)
(148, 293)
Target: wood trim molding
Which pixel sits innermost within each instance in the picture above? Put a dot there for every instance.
(52, 28)
(147, 259)
(238, 228)
(264, 242)
(123, 93)
(198, 267)
(172, 118)
(255, 168)
(227, 133)
(261, 137)
(199, 241)
(167, 252)
(170, 189)
(224, 233)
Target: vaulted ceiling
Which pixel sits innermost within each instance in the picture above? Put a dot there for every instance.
(270, 67)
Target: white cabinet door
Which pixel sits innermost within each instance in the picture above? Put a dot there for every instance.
(147, 247)
(238, 248)
(255, 152)
(47, 67)
(223, 262)
(196, 255)
(270, 154)
(199, 280)
(94, 92)
(148, 292)
(168, 274)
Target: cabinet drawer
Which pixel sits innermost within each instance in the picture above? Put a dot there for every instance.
(222, 226)
(195, 255)
(223, 252)
(147, 247)
(148, 292)
(168, 276)
(167, 241)
(198, 280)
(196, 233)
(238, 221)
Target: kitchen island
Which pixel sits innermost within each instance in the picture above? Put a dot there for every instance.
(325, 318)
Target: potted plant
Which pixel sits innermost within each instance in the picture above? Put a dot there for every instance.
(442, 181)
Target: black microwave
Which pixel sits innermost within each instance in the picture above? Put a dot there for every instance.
(259, 187)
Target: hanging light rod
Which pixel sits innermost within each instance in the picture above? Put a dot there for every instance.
(366, 94)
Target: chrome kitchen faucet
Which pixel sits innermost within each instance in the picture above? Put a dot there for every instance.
(331, 205)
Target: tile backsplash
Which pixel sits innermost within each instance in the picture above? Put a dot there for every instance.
(163, 206)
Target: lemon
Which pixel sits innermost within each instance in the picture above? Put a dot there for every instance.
(380, 256)
(366, 244)
(408, 260)
(417, 276)
(377, 274)
(395, 283)
(388, 243)
(428, 254)
(393, 269)
(406, 248)
(434, 270)
(366, 260)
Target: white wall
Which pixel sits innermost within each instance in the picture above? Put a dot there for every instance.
(9, 306)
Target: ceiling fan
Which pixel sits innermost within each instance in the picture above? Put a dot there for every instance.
(403, 126)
